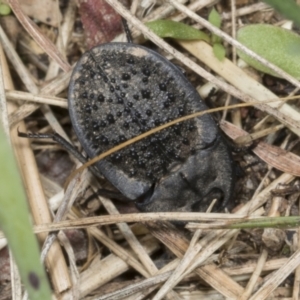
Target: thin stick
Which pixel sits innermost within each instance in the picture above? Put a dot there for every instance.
(40, 38)
(246, 10)
(64, 35)
(263, 257)
(189, 255)
(17, 63)
(130, 237)
(4, 123)
(277, 277)
(296, 286)
(41, 99)
(53, 88)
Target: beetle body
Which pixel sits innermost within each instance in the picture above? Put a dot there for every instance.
(120, 90)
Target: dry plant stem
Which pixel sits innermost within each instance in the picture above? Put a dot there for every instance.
(227, 102)
(119, 251)
(287, 162)
(16, 285)
(17, 63)
(233, 42)
(281, 293)
(22, 112)
(284, 117)
(144, 293)
(297, 273)
(165, 10)
(47, 128)
(210, 244)
(214, 240)
(130, 237)
(27, 164)
(40, 38)
(247, 85)
(236, 117)
(134, 6)
(263, 256)
(249, 268)
(141, 218)
(65, 32)
(75, 189)
(58, 85)
(53, 88)
(277, 277)
(262, 183)
(246, 139)
(189, 255)
(4, 123)
(135, 244)
(236, 114)
(41, 99)
(261, 123)
(128, 291)
(162, 12)
(233, 28)
(53, 122)
(178, 244)
(74, 292)
(195, 6)
(32, 58)
(246, 10)
(103, 271)
(26, 77)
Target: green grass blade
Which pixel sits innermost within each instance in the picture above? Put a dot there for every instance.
(15, 223)
(287, 8)
(276, 222)
(176, 30)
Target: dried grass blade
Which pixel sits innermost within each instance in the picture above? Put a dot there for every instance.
(41, 39)
(273, 282)
(276, 157)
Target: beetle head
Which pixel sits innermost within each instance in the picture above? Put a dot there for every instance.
(191, 186)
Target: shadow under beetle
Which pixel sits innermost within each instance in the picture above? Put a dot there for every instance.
(120, 90)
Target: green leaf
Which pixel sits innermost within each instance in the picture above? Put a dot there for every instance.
(287, 8)
(267, 222)
(15, 223)
(279, 46)
(219, 51)
(215, 39)
(176, 30)
(4, 9)
(214, 18)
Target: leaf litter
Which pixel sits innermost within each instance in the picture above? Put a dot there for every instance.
(131, 260)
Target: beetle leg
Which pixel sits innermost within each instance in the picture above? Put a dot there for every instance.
(127, 31)
(113, 195)
(64, 143)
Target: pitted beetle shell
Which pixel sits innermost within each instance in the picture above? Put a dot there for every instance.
(120, 90)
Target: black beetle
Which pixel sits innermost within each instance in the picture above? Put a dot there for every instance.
(120, 90)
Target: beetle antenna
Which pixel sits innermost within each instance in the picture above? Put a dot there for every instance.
(127, 31)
